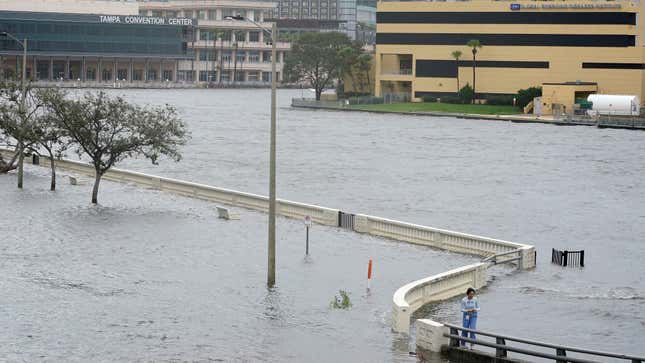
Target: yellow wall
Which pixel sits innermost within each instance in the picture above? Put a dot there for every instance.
(565, 63)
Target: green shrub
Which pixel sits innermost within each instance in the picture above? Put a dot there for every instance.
(466, 94)
(500, 100)
(524, 96)
(451, 99)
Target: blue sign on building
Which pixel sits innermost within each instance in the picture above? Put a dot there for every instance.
(515, 6)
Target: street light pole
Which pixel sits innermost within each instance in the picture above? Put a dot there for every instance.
(272, 161)
(22, 109)
(272, 146)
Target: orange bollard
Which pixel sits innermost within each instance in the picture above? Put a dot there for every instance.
(369, 273)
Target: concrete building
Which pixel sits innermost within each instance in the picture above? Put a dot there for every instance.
(338, 15)
(92, 41)
(226, 51)
(525, 43)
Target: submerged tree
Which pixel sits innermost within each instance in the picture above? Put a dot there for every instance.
(109, 130)
(19, 109)
(317, 59)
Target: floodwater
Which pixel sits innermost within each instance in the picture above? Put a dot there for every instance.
(553, 187)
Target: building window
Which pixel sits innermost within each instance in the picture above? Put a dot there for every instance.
(206, 55)
(266, 57)
(227, 12)
(167, 75)
(252, 76)
(266, 76)
(226, 76)
(239, 76)
(254, 36)
(89, 75)
(206, 35)
(207, 76)
(188, 76)
(156, 13)
(107, 75)
(143, 12)
(254, 57)
(171, 14)
(137, 75)
(152, 75)
(122, 74)
(212, 14)
(226, 56)
(201, 14)
(241, 56)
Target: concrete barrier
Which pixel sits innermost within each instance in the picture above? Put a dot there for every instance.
(287, 208)
(410, 297)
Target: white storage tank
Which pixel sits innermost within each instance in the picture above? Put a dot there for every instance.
(615, 105)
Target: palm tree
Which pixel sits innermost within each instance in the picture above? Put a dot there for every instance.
(457, 54)
(238, 35)
(219, 34)
(474, 44)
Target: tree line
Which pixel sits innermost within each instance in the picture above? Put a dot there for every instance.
(102, 129)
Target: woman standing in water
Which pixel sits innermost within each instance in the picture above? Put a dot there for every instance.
(469, 309)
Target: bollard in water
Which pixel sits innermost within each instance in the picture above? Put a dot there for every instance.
(369, 273)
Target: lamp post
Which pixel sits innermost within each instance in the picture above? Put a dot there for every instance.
(22, 110)
(272, 149)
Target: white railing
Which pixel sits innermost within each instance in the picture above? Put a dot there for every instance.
(410, 297)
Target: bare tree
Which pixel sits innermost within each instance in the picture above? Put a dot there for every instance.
(19, 110)
(109, 130)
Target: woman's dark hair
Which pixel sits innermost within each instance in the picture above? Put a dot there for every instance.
(470, 289)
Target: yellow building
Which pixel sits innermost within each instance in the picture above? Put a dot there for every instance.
(524, 44)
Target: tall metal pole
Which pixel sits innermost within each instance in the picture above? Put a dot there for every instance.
(272, 199)
(23, 111)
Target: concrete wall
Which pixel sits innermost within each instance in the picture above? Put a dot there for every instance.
(409, 298)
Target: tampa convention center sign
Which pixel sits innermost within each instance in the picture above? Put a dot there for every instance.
(566, 6)
(149, 20)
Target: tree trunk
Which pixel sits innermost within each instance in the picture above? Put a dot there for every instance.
(318, 93)
(95, 190)
(53, 166)
(7, 167)
(474, 88)
(457, 65)
(21, 162)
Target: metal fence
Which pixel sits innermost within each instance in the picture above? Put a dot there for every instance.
(602, 120)
(502, 347)
(346, 220)
(568, 258)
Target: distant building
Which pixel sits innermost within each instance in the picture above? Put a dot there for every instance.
(337, 15)
(576, 45)
(226, 51)
(91, 41)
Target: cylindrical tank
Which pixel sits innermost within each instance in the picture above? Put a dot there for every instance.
(615, 104)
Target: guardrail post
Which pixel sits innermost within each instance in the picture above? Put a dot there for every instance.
(499, 352)
(565, 258)
(562, 353)
(454, 342)
(636, 361)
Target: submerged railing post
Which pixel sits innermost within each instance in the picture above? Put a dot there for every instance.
(499, 352)
(454, 342)
(562, 353)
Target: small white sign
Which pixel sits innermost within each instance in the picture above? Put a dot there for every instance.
(308, 221)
